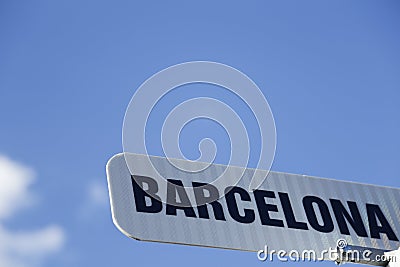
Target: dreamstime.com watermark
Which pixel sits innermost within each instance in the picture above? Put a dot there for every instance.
(340, 254)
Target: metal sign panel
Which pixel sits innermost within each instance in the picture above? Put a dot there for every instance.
(287, 212)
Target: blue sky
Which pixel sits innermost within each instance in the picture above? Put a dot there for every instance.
(329, 69)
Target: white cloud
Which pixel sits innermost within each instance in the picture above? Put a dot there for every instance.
(22, 248)
(29, 248)
(15, 180)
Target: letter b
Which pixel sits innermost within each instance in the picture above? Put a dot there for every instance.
(140, 194)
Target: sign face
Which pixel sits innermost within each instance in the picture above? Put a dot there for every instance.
(287, 212)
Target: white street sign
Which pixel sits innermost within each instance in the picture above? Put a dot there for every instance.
(287, 212)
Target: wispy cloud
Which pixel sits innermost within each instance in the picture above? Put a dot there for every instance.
(98, 194)
(22, 248)
(96, 201)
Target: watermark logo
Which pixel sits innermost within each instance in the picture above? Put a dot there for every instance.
(155, 90)
(341, 244)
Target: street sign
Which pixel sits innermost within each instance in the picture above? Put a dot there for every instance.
(287, 212)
